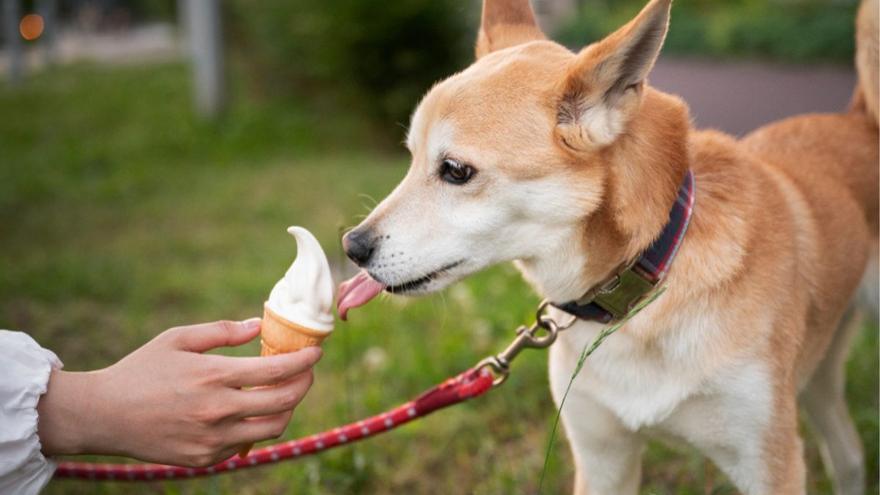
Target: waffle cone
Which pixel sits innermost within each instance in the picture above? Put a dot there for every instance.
(280, 336)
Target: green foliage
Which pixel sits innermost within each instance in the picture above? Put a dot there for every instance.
(154, 9)
(794, 31)
(362, 56)
(122, 215)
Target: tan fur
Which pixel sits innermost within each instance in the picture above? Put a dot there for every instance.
(504, 25)
(867, 54)
(783, 224)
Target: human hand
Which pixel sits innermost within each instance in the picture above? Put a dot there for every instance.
(169, 403)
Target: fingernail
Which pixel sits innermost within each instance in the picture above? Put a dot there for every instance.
(252, 324)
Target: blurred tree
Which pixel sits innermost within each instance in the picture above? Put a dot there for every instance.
(377, 58)
(48, 9)
(205, 36)
(10, 16)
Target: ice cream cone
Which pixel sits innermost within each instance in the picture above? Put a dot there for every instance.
(280, 336)
(298, 312)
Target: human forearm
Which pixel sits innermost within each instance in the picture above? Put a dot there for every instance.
(169, 403)
(70, 415)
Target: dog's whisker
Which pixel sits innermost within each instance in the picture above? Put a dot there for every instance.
(370, 199)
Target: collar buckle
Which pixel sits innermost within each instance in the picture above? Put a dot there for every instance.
(621, 293)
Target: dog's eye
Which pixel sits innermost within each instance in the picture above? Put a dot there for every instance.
(455, 173)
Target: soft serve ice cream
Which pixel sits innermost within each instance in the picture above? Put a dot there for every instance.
(298, 312)
(305, 294)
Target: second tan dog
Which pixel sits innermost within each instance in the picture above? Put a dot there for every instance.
(568, 164)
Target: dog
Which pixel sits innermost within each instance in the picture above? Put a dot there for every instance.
(567, 164)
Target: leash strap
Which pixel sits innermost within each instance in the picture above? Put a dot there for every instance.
(472, 383)
(614, 298)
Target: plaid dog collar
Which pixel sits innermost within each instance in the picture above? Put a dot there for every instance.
(613, 299)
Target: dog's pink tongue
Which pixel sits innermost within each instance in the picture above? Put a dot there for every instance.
(355, 292)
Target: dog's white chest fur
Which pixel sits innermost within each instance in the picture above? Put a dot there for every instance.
(643, 385)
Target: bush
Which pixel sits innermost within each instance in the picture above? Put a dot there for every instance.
(355, 55)
(824, 33)
(791, 31)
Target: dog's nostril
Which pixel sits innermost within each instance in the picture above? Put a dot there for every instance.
(359, 246)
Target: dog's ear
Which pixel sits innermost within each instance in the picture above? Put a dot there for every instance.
(506, 23)
(604, 84)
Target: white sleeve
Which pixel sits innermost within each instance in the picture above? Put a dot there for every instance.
(25, 373)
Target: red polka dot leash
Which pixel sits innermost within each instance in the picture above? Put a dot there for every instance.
(490, 372)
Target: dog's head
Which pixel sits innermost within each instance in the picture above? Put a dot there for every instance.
(520, 157)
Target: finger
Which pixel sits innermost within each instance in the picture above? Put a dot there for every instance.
(269, 370)
(207, 336)
(266, 401)
(252, 430)
(227, 452)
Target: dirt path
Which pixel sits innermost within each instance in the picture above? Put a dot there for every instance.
(737, 97)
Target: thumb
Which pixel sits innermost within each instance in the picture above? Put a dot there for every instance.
(206, 336)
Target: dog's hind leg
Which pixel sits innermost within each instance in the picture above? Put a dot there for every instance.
(825, 405)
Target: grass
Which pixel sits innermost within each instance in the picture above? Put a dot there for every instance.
(122, 215)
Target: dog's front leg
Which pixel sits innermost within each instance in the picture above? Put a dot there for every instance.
(607, 456)
(782, 447)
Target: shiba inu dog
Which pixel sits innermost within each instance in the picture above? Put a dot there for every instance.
(568, 164)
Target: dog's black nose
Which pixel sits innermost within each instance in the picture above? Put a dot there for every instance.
(359, 245)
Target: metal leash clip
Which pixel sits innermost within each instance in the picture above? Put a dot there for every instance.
(540, 335)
